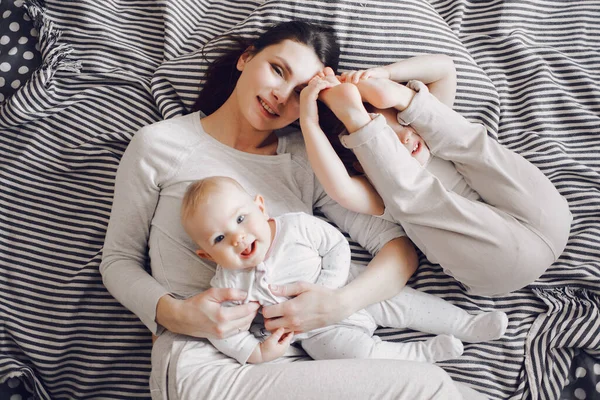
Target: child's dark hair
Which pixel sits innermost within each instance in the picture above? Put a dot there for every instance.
(222, 74)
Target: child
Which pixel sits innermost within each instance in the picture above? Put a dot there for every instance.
(485, 214)
(254, 251)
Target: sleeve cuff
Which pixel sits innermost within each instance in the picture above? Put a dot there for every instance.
(413, 111)
(148, 301)
(364, 134)
(239, 347)
(385, 237)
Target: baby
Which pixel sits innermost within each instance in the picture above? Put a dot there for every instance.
(254, 251)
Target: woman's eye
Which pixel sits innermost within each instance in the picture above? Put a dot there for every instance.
(277, 69)
(219, 238)
(240, 219)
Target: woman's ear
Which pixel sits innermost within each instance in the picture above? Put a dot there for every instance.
(260, 202)
(202, 254)
(244, 58)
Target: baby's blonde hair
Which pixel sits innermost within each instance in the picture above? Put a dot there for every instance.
(198, 191)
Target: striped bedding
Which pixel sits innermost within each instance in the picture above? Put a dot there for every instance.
(528, 70)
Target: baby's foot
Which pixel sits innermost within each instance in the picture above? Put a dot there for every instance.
(483, 327)
(442, 348)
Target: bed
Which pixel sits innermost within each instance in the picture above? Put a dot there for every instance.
(528, 71)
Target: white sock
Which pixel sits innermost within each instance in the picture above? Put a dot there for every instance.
(425, 312)
(439, 348)
(482, 327)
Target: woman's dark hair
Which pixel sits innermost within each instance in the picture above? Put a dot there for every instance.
(222, 74)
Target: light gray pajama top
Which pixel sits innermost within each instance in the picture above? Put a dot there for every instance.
(160, 162)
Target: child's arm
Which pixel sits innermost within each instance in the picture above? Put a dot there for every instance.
(245, 348)
(437, 71)
(353, 193)
(272, 348)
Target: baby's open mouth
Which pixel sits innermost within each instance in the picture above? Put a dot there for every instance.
(248, 251)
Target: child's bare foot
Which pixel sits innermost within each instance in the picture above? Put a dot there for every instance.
(356, 76)
(384, 93)
(345, 102)
(341, 95)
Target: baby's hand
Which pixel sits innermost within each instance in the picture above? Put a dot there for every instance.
(275, 345)
(357, 76)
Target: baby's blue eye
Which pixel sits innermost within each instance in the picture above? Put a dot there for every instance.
(240, 219)
(219, 238)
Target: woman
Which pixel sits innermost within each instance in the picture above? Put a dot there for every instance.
(237, 139)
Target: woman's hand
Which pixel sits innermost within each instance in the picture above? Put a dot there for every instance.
(204, 316)
(356, 76)
(313, 306)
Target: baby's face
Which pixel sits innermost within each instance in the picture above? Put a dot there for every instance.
(232, 229)
(408, 137)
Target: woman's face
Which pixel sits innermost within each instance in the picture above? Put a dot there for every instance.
(268, 90)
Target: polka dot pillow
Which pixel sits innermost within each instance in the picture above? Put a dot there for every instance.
(19, 49)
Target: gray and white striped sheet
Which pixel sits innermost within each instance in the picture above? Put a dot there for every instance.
(528, 70)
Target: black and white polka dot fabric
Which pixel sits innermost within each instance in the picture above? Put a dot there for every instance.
(14, 389)
(19, 48)
(583, 382)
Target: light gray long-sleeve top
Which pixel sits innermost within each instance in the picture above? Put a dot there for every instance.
(158, 165)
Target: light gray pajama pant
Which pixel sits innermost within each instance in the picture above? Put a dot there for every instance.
(184, 368)
(493, 246)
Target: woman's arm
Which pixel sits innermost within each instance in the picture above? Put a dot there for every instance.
(384, 277)
(125, 253)
(437, 71)
(354, 193)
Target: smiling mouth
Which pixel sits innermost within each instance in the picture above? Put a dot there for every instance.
(249, 251)
(416, 149)
(268, 109)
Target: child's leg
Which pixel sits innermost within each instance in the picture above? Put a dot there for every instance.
(485, 248)
(427, 313)
(346, 341)
(502, 178)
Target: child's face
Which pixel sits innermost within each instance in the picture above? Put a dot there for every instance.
(408, 136)
(232, 229)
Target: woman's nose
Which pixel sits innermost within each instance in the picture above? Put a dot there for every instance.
(281, 94)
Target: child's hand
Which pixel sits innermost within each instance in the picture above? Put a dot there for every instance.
(275, 345)
(356, 76)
